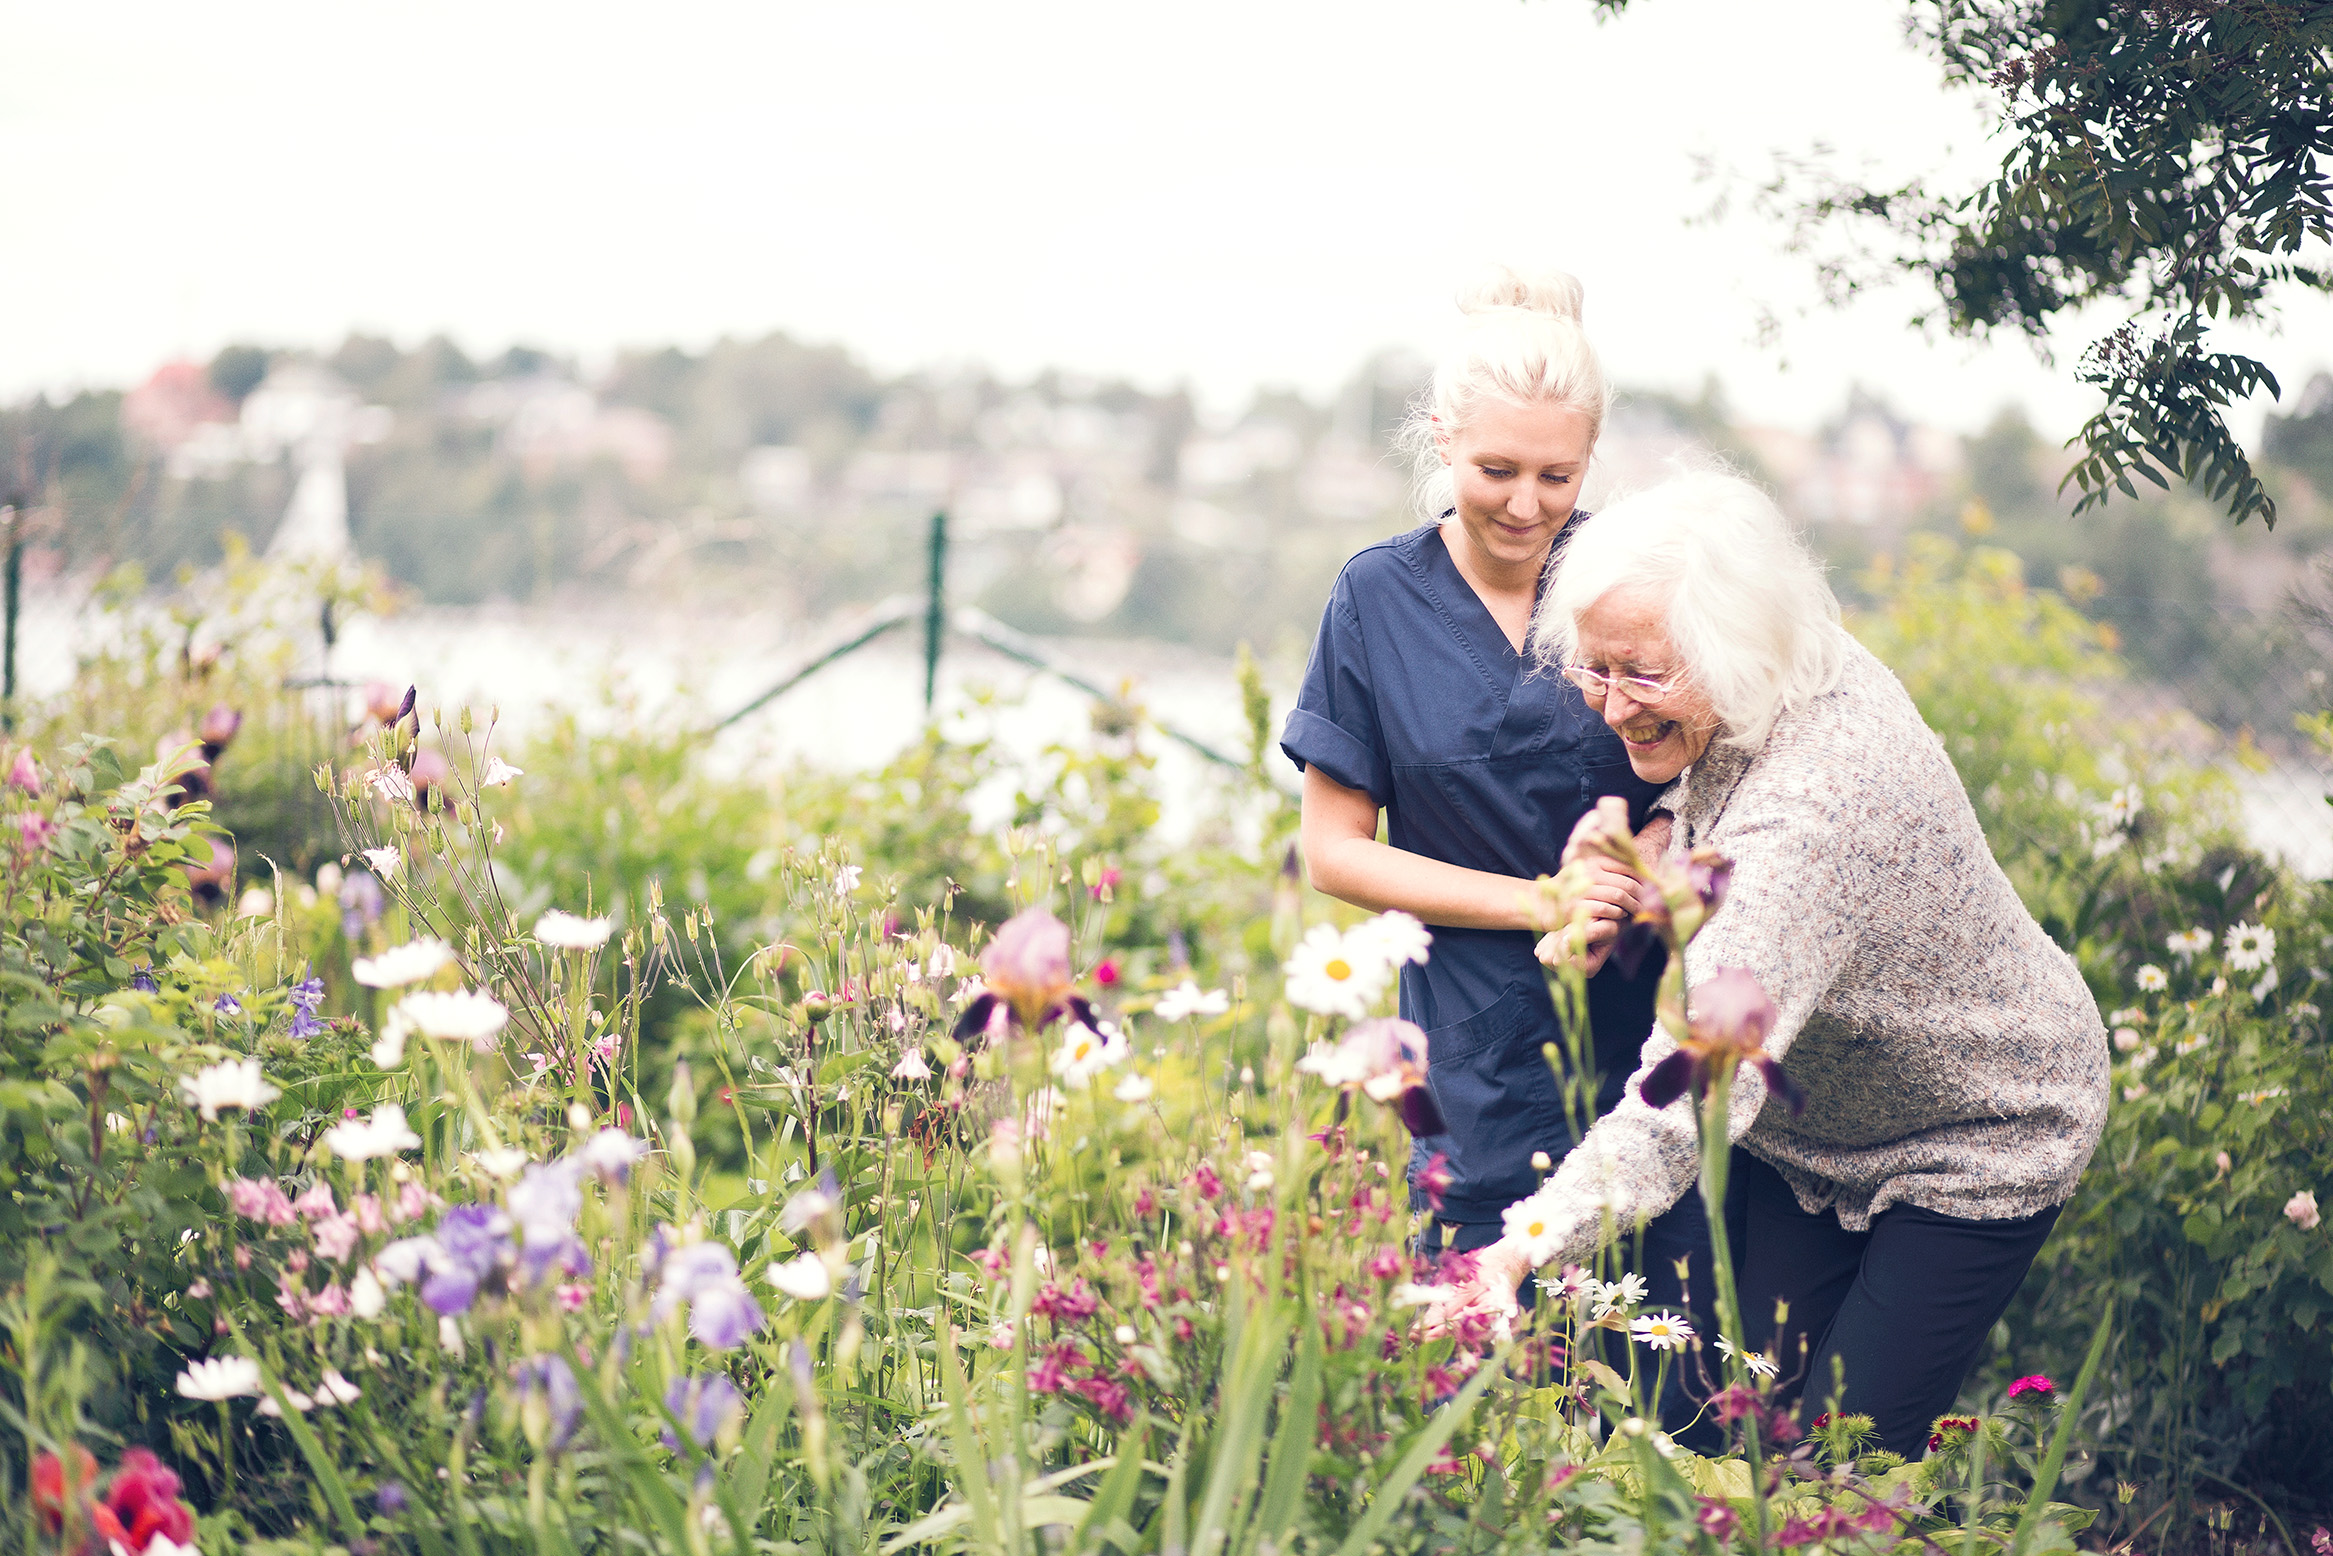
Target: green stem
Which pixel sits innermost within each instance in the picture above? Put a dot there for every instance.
(1716, 1159)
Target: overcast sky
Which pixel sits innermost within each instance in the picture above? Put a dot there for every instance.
(1224, 192)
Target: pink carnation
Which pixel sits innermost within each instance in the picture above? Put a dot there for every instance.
(2032, 1383)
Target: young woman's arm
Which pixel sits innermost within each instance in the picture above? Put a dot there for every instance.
(1339, 834)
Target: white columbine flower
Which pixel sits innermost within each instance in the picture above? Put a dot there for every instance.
(2153, 980)
(361, 1140)
(1661, 1331)
(220, 1377)
(335, 1389)
(1337, 974)
(1531, 1225)
(383, 862)
(1186, 1000)
(2250, 947)
(499, 774)
(804, 1278)
(236, 1083)
(912, 1066)
(1399, 937)
(1087, 1051)
(463, 1015)
(503, 1161)
(1259, 1171)
(846, 879)
(571, 932)
(394, 969)
(1136, 1087)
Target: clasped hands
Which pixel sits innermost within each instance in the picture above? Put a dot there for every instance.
(1607, 898)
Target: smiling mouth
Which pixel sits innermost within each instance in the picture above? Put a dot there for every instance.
(1645, 738)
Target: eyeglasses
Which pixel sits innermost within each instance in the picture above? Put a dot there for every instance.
(1646, 689)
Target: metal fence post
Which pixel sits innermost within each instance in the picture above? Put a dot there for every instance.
(935, 620)
(15, 589)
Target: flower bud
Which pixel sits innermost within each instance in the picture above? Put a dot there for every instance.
(681, 1102)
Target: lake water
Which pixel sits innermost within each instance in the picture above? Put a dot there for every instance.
(611, 660)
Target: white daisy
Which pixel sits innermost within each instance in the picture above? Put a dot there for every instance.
(236, 1083)
(1532, 1226)
(462, 1015)
(573, 932)
(1337, 974)
(2250, 947)
(2153, 980)
(1760, 1364)
(1399, 937)
(361, 1140)
(1661, 1331)
(1086, 1051)
(401, 965)
(1186, 1000)
(220, 1377)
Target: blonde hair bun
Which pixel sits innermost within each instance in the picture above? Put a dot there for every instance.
(1555, 293)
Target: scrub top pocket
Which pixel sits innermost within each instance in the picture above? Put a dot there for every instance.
(1498, 1099)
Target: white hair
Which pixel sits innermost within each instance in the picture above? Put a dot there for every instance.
(1523, 345)
(1750, 617)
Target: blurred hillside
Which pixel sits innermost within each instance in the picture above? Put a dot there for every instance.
(776, 476)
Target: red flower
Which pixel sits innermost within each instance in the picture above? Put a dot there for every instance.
(1948, 1428)
(49, 1492)
(144, 1498)
(2032, 1383)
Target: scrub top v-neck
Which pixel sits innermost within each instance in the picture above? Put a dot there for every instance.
(1480, 759)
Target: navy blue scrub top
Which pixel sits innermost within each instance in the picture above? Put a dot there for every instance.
(1480, 759)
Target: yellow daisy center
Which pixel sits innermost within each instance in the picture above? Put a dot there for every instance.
(1338, 968)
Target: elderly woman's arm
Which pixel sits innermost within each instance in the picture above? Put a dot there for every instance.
(1789, 920)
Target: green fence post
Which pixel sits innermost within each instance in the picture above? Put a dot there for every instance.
(935, 618)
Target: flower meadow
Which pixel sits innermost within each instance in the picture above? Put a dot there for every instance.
(564, 1150)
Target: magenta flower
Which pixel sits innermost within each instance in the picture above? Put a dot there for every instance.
(1727, 1022)
(2032, 1383)
(26, 773)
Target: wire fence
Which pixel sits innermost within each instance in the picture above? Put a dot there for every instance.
(2250, 678)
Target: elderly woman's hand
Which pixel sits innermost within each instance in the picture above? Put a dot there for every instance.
(1611, 895)
(1490, 1295)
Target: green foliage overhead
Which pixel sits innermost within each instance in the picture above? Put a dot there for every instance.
(2169, 158)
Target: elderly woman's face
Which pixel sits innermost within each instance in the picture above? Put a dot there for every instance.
(1517, 471)
(1623, 637)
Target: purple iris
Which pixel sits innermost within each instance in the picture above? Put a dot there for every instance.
(704, 1405)
(227, 1005)
(143, 981)
(361, 902)
(704, 1275)
(545, 1204)
(473, 1244)
(306, 996)
(550, 1375)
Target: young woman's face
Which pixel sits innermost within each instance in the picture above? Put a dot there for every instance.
(1517, 470)
(1624, 636)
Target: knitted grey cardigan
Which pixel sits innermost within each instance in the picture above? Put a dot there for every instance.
(1951, 1054)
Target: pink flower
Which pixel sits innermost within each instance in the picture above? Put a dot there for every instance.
(1435, 1178)
(1111, 1398)
(36, 830)
(1385, 1264)
(290, 1297)
(335, 1237)
(369, 1219)
(573, 1296)
(26, 773)
(259, 1199)
(412, 1201)
(331, 1302)
(1027, 964)
(316, 1202)
(1106, 973)
(1050, 1372)
(2032, 1383)
(2301, 1210)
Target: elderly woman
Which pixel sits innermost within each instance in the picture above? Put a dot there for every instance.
(1953, 1062)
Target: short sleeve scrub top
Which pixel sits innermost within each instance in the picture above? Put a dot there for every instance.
(1415, 697)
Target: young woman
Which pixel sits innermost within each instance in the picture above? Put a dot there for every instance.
(1422, 701)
